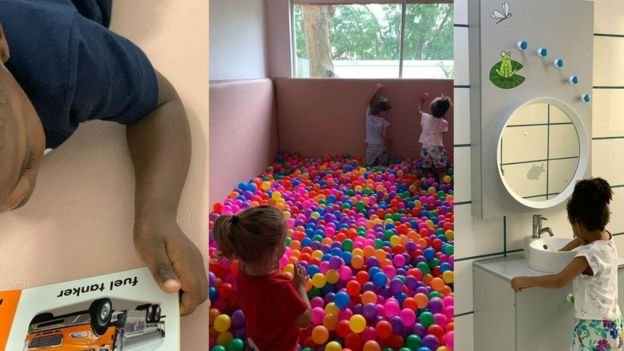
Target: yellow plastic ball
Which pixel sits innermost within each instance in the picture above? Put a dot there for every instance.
(265, 186)
(447, 179)
(289, 268)
(448, 277)
(224, 338)
(450, 235)
(318, 280)
(317, 254)
(443, 348)
(222, 323)
(395, 240)
(331, 308)
(357, 323)
(315, 215)
(357, 252)
(431, 190)
(332, 276)
(276, 195)
(333, 346)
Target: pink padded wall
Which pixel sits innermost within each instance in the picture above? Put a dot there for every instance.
(243, 134)
(319, 116)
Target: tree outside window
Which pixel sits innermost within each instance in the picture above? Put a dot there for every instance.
(363, 41)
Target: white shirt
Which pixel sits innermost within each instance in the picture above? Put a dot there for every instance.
(596, 297)
(433, 130)
(374, 128)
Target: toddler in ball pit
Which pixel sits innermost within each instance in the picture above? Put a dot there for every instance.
(275, 306)
(432, 151)
(377, 139)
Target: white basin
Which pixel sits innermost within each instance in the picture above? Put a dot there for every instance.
(544, 254)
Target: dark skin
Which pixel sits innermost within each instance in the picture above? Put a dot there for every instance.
(160, 148)
(579, 265)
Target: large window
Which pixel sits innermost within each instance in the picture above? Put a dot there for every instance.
(373, 40)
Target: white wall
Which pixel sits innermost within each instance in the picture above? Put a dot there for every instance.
(79, 220)
(477, 238)
(237, 39)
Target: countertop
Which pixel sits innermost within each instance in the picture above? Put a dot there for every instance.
(514, 266)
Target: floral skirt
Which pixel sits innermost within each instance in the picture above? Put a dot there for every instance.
(597, 335)
(433, 156)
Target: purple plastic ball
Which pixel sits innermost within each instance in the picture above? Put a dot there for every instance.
(436, 305)
(238, 318)
(397, 324)
(419, 330)
(431, 341)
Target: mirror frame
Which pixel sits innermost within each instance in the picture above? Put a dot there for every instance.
(583, 156)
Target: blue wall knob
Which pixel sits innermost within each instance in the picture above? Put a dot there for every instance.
(542, 52)
(558, 63)
(586, 98)
(573, 80)
(522, 45)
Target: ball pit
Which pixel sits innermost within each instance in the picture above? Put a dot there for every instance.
(377, 244)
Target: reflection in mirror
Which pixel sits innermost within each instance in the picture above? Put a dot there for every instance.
(538, 152)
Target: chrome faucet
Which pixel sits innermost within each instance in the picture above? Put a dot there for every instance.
(537, 227)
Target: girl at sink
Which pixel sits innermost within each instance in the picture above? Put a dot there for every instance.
(593, 271)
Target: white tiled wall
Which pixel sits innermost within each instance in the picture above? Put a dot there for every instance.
(476, 237)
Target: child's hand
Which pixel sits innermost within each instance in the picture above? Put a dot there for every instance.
(175, 262)
(299, 277)
(519, 283)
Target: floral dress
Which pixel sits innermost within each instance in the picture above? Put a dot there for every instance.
(597, 335)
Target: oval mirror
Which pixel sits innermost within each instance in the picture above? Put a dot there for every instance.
(542, 151)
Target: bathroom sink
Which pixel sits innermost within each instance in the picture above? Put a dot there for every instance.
(544, 254)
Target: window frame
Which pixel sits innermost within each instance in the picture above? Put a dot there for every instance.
(403, 3)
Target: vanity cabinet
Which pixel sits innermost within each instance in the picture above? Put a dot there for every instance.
(534, 319)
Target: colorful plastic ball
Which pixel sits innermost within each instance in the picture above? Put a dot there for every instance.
(421, 300)
(380, 279)
(369, 297)
(408, 317)
(236, 344)
(341, 299)
(448, 277)
(318, 280)
(218, 348)
(320, 335)
(383, 330)
(357, 323)
(222, 323)
(317, 315)
(330, 321)
(437, 284)
(353, 288)
(238, 318)
(224, 338)
(333, 346)
(353, 341)
(343, 328)
(431, 342)
(371, 345)
(391, 308)
(449, 338)
(413, 341)
(426, 319)
(435, 305)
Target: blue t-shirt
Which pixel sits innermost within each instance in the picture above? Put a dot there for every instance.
(73, 68)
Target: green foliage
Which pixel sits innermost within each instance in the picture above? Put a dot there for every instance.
(357, 33)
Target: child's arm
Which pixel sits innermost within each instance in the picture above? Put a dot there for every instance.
(576, 267)
(304, 319)
(373, 94)
(161, 151)
(572, 245)
(420, 106)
